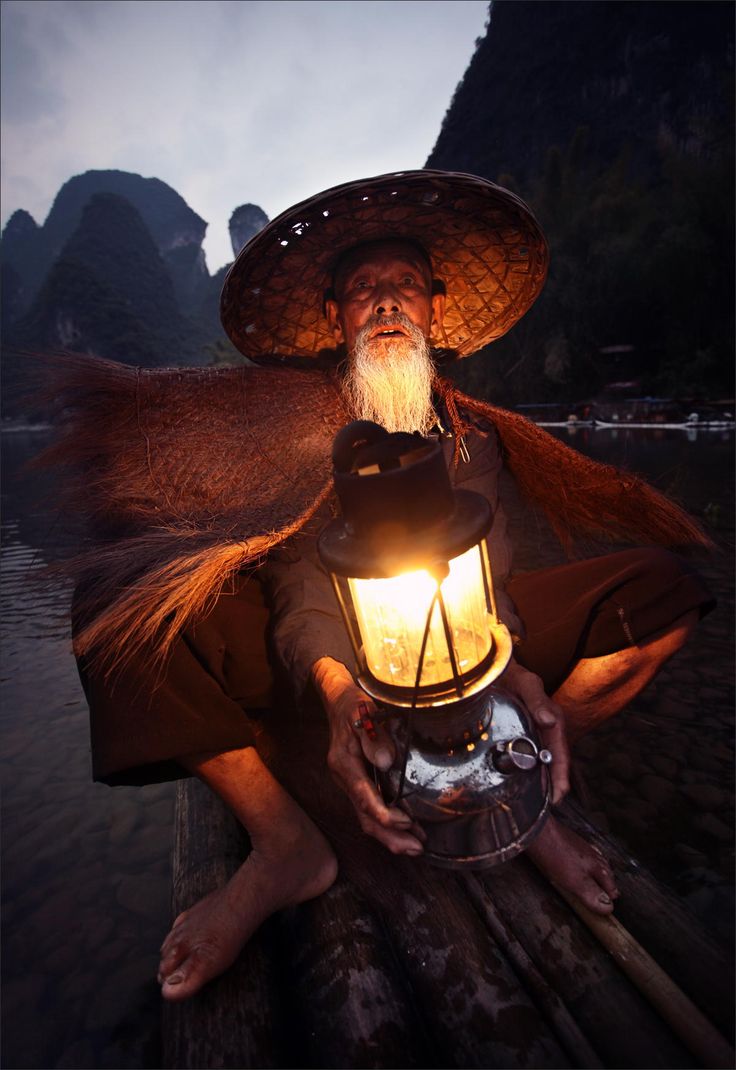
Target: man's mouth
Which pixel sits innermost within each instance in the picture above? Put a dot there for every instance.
(389, 332)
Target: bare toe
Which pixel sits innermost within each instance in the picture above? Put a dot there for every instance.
(604, 875)
(575, 866)
(171, 957)
(199, 967)
(590, 893)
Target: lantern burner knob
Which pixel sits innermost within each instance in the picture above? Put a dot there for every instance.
(520, 753)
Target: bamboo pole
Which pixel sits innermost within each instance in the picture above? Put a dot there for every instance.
(680, 1013)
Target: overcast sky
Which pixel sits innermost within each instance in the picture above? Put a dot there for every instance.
(228, 101)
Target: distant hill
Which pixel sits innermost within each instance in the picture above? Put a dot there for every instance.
(245, 222)
(644, 75)
(172, 224)
(116, 269)
(615, 121)
(109, 292)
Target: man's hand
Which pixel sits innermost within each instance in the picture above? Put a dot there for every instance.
(345, 703)
(549, 719)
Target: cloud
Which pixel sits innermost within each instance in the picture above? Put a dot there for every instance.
(226, 101)
(28, 92)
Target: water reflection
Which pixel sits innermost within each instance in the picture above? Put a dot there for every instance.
(695, 466)
(86, 870)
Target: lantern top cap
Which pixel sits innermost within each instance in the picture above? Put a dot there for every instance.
(399, 509)
(365, 448)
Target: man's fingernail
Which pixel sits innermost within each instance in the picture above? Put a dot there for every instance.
(175, 979)
(414, 852)
(603, 898)
(383, 758)
(547, 718)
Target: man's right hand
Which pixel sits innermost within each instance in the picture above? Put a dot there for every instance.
(346, 703)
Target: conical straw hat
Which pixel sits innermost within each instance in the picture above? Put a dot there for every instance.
(483, 241)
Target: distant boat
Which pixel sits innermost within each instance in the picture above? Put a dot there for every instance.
(636, 413)
(693, 422)
(13, 426)
(565, 423)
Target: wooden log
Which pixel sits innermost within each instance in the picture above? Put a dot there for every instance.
(665, 926)
(476, 1010)
(351, 1007)
(619, 1023)
(236, 1020)
(571, 1037)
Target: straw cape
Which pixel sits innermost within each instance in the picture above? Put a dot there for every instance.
(189, 476)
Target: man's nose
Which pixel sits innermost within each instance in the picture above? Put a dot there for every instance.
(386, 301)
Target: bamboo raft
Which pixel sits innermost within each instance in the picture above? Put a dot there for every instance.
(403, 965)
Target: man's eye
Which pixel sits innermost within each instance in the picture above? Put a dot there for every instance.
(361, 284)
(408, 280)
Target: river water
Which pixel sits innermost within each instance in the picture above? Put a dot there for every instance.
(86, 868)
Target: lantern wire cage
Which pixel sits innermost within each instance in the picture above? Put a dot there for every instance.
(436, 598)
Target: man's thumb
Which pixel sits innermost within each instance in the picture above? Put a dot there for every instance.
(379, 751)
(383, 759)
(546, 718)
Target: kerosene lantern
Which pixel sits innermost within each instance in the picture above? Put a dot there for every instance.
(411, 572)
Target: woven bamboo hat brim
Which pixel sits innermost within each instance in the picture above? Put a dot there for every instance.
(484, 243)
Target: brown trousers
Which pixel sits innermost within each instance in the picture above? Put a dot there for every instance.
(218, 676)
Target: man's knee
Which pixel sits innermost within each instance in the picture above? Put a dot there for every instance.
(661, 593)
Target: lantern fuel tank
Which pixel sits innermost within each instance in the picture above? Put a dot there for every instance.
(477, 782)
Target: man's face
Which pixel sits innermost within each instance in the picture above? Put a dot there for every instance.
(380, 280)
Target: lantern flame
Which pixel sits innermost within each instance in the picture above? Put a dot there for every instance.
(392, 617)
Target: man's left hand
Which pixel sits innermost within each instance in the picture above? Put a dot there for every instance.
(549, 719)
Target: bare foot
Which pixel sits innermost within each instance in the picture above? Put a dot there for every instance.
(295, 864)
(575, 865)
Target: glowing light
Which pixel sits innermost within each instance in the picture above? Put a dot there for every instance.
(392, 616)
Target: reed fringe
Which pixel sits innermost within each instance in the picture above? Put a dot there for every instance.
(189, 476)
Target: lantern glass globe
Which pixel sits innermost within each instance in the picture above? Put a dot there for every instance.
(392, 618)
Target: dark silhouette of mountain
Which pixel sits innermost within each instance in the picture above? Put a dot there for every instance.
(117, 269)
(109, 292)
(644, 75)
(245, 222)
(20, 252)
(177, 231)
(11, 292)
(615, 122)
(29, 252)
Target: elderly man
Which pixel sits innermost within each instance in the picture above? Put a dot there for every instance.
(588, 636)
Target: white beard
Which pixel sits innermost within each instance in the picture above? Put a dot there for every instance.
(389, 380)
